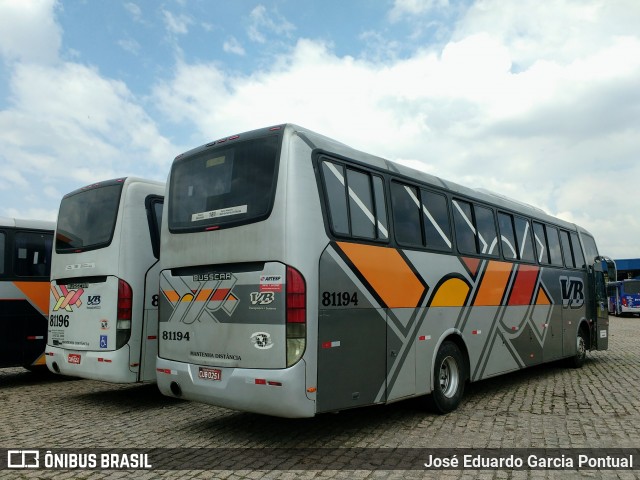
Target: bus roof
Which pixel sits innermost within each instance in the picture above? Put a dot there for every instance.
(30, 224)
(325, 144)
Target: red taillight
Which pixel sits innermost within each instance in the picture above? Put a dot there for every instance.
(296, 297)
(125, 300)
(624, 301)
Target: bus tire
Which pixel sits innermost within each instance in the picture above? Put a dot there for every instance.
(449, 375)
(581, 348)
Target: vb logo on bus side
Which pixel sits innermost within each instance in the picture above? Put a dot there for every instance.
(572, 292)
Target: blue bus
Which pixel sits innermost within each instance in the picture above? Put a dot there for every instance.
(624, 297)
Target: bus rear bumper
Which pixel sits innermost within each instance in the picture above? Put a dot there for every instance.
(106, 366)
(280, 393)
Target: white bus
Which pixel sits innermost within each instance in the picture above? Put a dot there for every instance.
(301, 276)
(25, 263)
(104, 282)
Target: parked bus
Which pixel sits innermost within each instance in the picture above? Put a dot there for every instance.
(624, 297)
(300, 276)
(25, 263)
(104, 282)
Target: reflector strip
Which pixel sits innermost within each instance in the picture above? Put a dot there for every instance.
(167, 371)
(35, 337)
(152, 337)
(331, 344)
(105, 360)
(260, 381)
(476, 332)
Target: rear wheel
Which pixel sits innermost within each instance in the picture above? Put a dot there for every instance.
(449, 378)
(581, 349)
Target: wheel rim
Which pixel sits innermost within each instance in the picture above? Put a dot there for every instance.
(581, 347)
(449, 377)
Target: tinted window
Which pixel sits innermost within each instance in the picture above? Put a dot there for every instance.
(465, 231)
(577, 251)
(87, 218)
(487, 238)
(554, 245)
(381, 208)
(154, 212)
(631, 287)
(541, 243)
(336, 194)
(226, 185)
(591, 251)
(525, 244)
(361, 204)
(32, 255)
(566, 249)
(435, 210)
(356, 202)
(507, 236)
(406, 214)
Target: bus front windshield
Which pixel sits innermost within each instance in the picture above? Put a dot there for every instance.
(226, 185)
(87, 218)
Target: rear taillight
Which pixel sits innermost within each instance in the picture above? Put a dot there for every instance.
(125, 305)
(296, 316)
(624, 301)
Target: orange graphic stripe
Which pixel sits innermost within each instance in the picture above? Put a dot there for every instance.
(387, 273)
(37, 293)
(542, 298)
(452, 293)
(493, 284)
(171, 295)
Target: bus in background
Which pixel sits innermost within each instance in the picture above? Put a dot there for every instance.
(25, 264)
(624, 297)
(104, 282)
(300, 276)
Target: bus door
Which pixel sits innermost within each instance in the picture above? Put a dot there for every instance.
(149, 351)
(598, 308)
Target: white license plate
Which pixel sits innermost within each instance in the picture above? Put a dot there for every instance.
(209, 373)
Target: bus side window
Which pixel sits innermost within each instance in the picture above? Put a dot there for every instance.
(361, 209)
(566, 249)
(31, 256)
(541, 242)
(577, 251)
(356, 202)
(525, 244)
(437, 230)
(334, 184)
(487, 237)
(509, 246)
(465, 231)
(554, 245)
(405, 206)
(154, 205)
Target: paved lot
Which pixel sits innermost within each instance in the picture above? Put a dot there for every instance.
(543, 407)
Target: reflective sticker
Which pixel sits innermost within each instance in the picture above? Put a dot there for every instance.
(223, 212)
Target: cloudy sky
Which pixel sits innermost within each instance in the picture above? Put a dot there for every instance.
(539, 101)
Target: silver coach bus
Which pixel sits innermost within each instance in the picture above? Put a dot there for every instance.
(301, 276)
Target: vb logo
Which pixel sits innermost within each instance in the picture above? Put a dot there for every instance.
(572, 292)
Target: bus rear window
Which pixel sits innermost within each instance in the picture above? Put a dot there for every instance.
(224, 186)
(87, 218)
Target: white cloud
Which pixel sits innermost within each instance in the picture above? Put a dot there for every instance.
(482, 111)
(28, 31)
(232, 45)
(176, 24)
(264, 22)
(409, 8)
(68, 126)
(134, 10)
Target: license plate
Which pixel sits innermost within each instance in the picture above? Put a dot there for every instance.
(209, 373)
(74, 358)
